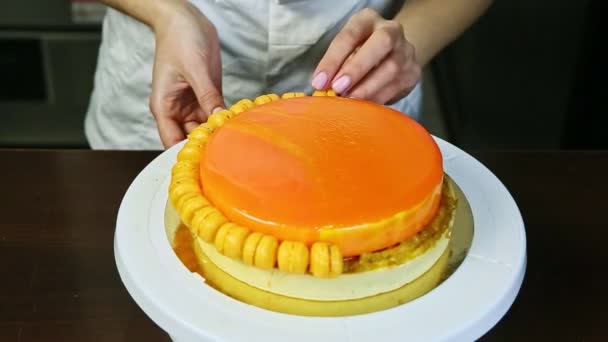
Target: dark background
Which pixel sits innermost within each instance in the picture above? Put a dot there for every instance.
(528, 75)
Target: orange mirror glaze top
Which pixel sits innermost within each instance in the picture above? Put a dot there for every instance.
(293, 168)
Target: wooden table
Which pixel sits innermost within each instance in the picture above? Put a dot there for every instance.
(58, 279)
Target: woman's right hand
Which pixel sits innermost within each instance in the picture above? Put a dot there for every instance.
(187, 76)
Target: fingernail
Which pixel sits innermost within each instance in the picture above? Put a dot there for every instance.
(319, 81)
(341, 84)
(216, 109)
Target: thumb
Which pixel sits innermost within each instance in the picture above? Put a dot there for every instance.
(170, 131)
(208, 94)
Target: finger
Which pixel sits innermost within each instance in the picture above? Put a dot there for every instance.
(199, 116)
(207, 93)
(399, 87)
(358, 28)
(389, 69)
(396, 66)
(391, 94)
(379, 45)
(170, 132)
(190, 125)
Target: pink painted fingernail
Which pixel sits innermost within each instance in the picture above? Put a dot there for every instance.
(319, 81)
(341, 84)
(216, 109)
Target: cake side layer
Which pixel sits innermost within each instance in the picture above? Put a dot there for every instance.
(368, 275)
(239, 290)
(345, 287)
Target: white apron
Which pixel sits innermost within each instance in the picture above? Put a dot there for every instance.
(268, 46)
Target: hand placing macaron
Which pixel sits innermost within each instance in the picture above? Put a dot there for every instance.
(370, 59)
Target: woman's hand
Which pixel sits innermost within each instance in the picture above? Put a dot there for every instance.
(187, 77)
(370, 59)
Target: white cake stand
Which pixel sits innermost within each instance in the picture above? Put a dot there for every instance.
(463, 307)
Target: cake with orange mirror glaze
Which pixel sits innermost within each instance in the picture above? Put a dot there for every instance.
(324, 169)
(319, 187)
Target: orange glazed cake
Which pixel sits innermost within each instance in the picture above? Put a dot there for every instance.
(315, 205)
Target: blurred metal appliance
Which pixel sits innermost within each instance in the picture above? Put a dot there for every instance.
(48, 52)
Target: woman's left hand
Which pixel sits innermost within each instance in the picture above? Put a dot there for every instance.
(370, 59)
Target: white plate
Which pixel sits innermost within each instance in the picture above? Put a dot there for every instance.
(463, 307)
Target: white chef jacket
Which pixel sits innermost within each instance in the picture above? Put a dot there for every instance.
(267, 46)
